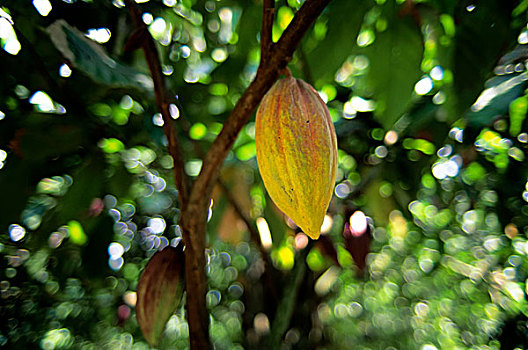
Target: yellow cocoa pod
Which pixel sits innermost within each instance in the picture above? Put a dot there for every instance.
(297, 152)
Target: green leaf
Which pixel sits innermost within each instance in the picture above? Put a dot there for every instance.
(495, 100)
(328, 55)
(93, 60)
(481, 35)
(395, 57)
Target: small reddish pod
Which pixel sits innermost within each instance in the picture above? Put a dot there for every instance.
(160, 291)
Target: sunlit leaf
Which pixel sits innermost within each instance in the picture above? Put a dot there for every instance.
(92, 59)
(394, 67)
(495, 100)
(481, 35)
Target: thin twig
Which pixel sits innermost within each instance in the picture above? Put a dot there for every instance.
(289, 300)
(163, 102)
(303, 63)
(194, 210)
(266, 41)
(255, 237)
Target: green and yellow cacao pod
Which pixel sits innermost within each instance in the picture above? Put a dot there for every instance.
(297, 152)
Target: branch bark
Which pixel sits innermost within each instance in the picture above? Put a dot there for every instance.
(195, 202)
(194, 218)
(162, 101)
(267, 73)
(255, 237)
(266, 41)
(253, 233)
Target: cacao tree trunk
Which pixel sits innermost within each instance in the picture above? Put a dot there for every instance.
(195, 202)
(195, 211)
(193, 222)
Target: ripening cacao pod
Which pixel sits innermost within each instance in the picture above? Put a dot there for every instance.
(297, 152)
(159, 291)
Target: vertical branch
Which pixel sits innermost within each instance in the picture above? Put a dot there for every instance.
(194, 222)
(195, 203)
(255, 237)
(281, 53)
(195, 216)
(266, 41)
(162, 99)
(289, 300)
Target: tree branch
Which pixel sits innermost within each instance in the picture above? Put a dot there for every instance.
(292, 35)
(194, 217)
(195, 204)
(267, 73)
(289, 300)
(255, 237)
(266, 41)
(162, 100)
(253, 233)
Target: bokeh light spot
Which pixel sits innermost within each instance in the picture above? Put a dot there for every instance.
(16, 232)
(157, 119)
(174, 111)
(365, 38)
(76, 233)
(115, 264)
(358, 223)
(328, 221)
(301, 241)
(115, 250)
(100, 35)
(42, 6)
(198, 131)
(437, 73)
(147, 18)
(264, 232)
(65, 71)
(261, 324)
(157, 225)
(391, 137)
(423, 86)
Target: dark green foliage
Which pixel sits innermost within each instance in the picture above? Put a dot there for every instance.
(429, 103)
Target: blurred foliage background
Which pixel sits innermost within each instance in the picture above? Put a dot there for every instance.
(424, 245)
